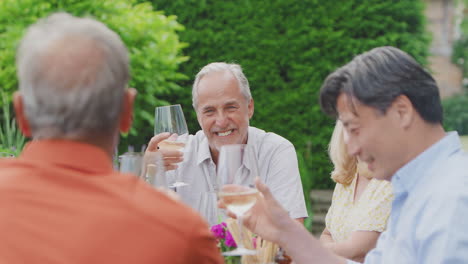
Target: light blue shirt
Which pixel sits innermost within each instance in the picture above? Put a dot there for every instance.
(429, 218)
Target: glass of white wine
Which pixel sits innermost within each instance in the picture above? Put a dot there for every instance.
(171, 119)
(237, 170)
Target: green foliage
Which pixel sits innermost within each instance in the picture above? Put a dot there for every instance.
(287, 48)
(151, 39)
(460, 56)
(11, 139)
(460, 47)
(456, 114)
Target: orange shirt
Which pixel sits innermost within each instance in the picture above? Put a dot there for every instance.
(61, 202)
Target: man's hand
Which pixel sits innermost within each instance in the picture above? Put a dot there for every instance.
(266, 218)
(170, 157)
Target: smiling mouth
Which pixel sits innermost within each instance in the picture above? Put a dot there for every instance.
(224, 134)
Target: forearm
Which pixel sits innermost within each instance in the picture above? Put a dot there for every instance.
(304, 248)
(347, 250)
(356, 246)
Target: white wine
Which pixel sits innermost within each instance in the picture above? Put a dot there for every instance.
(239, 202)
(171, 145)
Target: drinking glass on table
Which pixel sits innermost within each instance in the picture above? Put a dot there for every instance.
(131, 162)
(237, 170)
(171, 119)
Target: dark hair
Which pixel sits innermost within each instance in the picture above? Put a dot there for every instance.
(375, 78)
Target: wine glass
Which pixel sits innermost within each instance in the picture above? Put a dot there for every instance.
(237, 170)
(130, 162)
(171, 119)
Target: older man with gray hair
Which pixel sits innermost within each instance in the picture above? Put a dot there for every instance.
(61, 200)
(224, 105)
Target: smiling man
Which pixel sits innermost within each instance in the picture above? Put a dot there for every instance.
(391, 110)
(224, 105)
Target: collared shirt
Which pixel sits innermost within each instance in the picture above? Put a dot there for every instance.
(61, 202)
(277, 162)
(428, 219)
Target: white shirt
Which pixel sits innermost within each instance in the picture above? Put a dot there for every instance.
(277, 162)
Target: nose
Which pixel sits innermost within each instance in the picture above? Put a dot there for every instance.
(352, 145)
(221, 120)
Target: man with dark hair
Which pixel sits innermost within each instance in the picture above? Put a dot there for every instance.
(61, 201)
(391, 110)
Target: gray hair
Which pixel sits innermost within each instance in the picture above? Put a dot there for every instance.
(236, 71)
(375, 78)
(72, 75)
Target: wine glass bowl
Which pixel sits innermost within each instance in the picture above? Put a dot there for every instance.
(171, 119)
(237, 170)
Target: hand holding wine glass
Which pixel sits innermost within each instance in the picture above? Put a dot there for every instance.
(237, 169)
(171, 119)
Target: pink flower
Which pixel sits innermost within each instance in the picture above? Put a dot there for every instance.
(229, 241)
(219, 231)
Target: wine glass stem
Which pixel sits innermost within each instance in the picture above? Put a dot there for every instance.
(241, 235)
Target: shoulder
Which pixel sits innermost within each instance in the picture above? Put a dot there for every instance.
(264, 139)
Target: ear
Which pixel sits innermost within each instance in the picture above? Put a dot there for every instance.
(251, 108)
(20, 116)
(126, 117)
(404, 110)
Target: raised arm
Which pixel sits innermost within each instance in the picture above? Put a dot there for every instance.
(270, 221)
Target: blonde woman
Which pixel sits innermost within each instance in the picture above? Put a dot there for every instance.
(360, 204)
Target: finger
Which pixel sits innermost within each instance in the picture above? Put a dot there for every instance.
(233, 215)
(171, 153)
(153, 144)
(174, 136)
(221, 204)
(170, 167)
(172, 160)
(264, 190)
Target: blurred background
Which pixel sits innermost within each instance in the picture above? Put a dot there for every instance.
(286, 48)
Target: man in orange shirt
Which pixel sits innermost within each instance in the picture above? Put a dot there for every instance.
(61, 201)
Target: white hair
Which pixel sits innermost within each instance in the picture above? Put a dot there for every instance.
(234, 69)
(72, 75)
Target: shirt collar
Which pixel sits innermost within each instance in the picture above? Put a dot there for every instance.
(204, 152)
(73, 154)
(406, 178)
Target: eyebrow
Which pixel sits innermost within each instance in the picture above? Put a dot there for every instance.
(208, 107)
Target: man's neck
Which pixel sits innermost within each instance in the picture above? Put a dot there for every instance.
(105, 142)
(214, 155)
(423, 138)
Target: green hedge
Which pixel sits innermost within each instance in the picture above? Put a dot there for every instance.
(456, 114)
(287, 48)
(150, 36)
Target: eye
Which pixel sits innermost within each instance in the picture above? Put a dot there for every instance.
(208, 112)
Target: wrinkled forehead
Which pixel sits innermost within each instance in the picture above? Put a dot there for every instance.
(216, 86)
